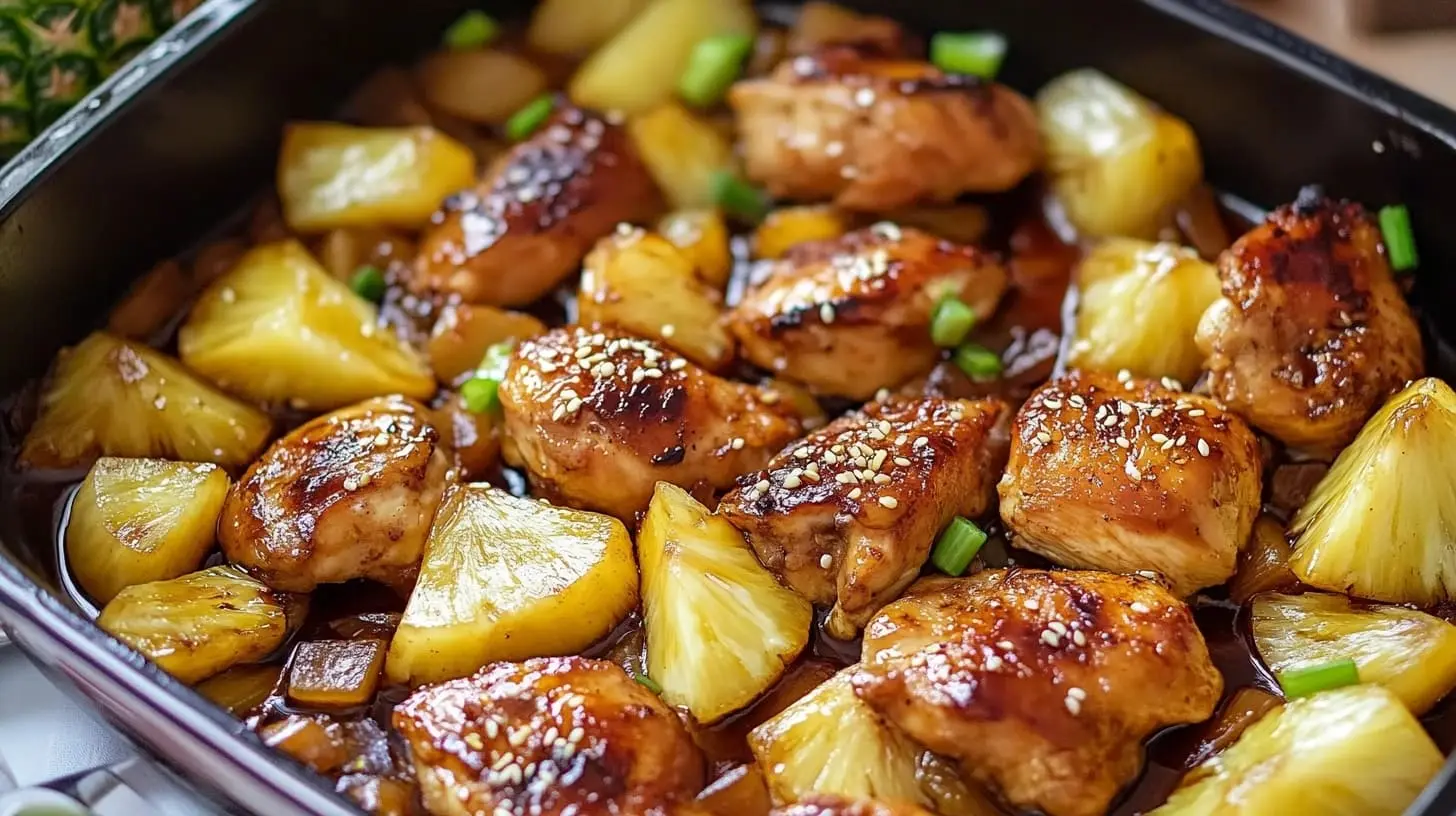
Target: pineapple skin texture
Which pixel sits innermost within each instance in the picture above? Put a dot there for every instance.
(507, 579)
(1381, 524)
(140, 520)
(1354, 751)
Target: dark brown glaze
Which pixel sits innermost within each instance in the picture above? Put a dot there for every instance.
(533, 217)
(847, 515)
(550, 736)
(1042, 684)
(350, 494)
(597, 418)
(851, 315)
(1131, 475)
(1312, 333)
(874, 134)
(820, 805)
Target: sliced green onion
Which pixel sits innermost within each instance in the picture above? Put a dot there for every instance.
(1322, 677)
(368, 283)
(712, 67)
(473, 30)
(481, 395)
(497, 358)
(651, 684)
(979, 362)
(978, 53)
(738, 198)
(529, 119)
(1400, 241)
(951, 322)
(957, 546)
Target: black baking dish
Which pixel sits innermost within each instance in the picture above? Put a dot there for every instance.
(171, 146)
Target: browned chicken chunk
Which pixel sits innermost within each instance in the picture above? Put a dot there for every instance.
(527, 225)
(847, 515)
(1312, 333)
(876, 134)
(1130, 475)
(597, 418)
(823, 805)
(347, 495)
(1043, 684)
(557, 735)
(851, 315)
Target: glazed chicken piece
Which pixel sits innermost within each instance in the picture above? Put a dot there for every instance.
(847, 515)
(1130, 475)
(839, 806)
(1042, 684)
(1312, 333)
(531, 220)
(347, 495)
(876, 134)
(597, 418)
(851, 315)
(555, 735)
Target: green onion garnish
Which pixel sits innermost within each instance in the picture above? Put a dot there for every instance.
(1322, 677)
(738, 198)
(473, 30)
(497, 358)
(957, 546)
(979, 362)
(368, 283)
(527, 120)
(714, 64)
(1400, 241)
(481, 395)
(978, 53)
(951, 321)
(651, 684)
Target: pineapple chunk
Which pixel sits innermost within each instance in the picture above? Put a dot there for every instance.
(640, 283)
(139, 520)
(577, 27)
(506, 579)
(485, 86)
(1140, 307)
(1382, 523)
(241, 688)
(200, 624)
(682, 152)
(277, 327)
(702, 237)
(464, 331)
(1118, 164)
(332, 175)
(1353, 751)
(788, 227)
(720, 628)
(1409, 652)
(112, 397)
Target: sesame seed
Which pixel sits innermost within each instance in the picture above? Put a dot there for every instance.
(517, 736)
(548, 368)
(1110, 420)
(855, 493)
(825, 560)
(737, 443)
(1132, 471)
(1006, 644)
(560, 412)
(1124, 408)
(762, 485)
(922, 441)
(1077, 401)
(830, 458)
(802, 453)
(767, 397)
(1077, 693)
(668, 330)
(653, 373)
(503, 760)
(879, 460)
(889, 501)
(492, 728)
(1043, 437)
(882, 479)
(791, 481)
(902, 461)
(1050, 638)
(826, 312)
(1139, 607)
(1058, 627)
(573, 406)
(1073, 705)
(1196, 412)
(1122, 442)
(1172, 384)
(1079, 638)
(1123, 375)
(1167, 445)
(637, 375)
(811, 474)
(843, 478)
(1052, 404)
(474, 741)
(575, 735)
(1202, 448)
(1180, 441)
(993, 663)
(1159, 438)
(1030, 603)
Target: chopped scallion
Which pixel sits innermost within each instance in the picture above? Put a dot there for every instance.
(368, 283)
(473, 30)
(497, 358)
(738, 198)
(957, 546)
(651, 684)
(529, 119)
(951, 321)
(1400, 240)
(481, 395)
(978, 53)
(979, 362)
(714, 64)
(1309, 680)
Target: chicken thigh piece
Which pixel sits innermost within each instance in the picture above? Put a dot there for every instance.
(877, 134)
(597, 418)
(347, 495)
(847, 515)
(851, 315)
(555, 735)
(1042, 684)
(1128, 475)
(1312, 333)
(530, 221)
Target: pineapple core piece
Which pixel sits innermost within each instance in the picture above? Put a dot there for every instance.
(1409, 652)
(720, 629)
(1353, 751)
(1382, 522)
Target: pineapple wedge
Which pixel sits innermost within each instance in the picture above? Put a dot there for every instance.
(682, 152)
(1139, 309)
(506, 579)
(702, 237)
(198, 625)
(332, 175)
(1409, 652)
(112, 397)
(277, 327)
(139, 520)
(1382, 523)
(1354, 751)
(720, 628)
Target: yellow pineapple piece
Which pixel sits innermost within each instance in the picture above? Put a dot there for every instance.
(241, 688)
(702, 237)
(682, 152)
(787, 227)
